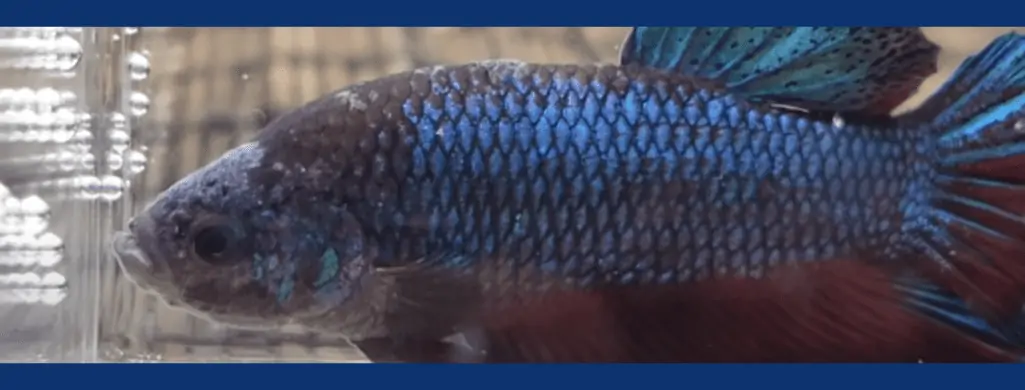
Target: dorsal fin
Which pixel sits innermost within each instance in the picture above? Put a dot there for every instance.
(866, 71)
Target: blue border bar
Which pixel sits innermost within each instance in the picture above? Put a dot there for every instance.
(518, 377)
(511, 13)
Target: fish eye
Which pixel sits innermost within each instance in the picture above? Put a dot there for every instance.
(211, 243)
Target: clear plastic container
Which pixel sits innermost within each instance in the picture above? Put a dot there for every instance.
(94, 122)
(50, 224)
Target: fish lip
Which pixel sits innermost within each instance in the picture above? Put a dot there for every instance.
(139, 268)
(136, 266)
(127, 249)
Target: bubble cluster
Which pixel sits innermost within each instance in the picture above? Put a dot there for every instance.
(44, 142)
(26, 244)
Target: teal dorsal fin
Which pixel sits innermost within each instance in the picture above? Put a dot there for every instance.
(857, 70)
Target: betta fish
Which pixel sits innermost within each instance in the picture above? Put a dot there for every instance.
(719, 195)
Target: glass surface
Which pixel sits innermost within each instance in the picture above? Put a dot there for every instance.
(94, 122)
(50, 186)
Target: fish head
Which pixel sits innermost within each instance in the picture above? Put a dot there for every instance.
(229, 244)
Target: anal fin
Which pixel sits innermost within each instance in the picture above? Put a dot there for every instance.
(834, 310)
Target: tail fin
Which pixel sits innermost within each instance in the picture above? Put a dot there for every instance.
(976, 219)
(948, 309)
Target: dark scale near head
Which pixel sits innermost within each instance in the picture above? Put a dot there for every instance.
(721, 194)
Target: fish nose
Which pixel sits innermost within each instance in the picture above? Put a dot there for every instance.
(141, 225)
(129, 253)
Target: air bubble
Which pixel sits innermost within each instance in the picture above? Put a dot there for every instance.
(107, 188)
(30, 258)
(36, 32)
(68, 53)
(28, 242)
(119, 139)
(138, 104)
(118, 120)
(136, 162)
(138, 66)
(114, 160)
(118, 134)
(32, 279)
(1019, 125)
(30, 126)
(88, 185)
(86, 162)
(35, 296)
(59, 52)
(75, 159)
(24, 216)
(135, 159)
(48, 241)
(39, 100)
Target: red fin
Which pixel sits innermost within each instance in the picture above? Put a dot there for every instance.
(829, 311)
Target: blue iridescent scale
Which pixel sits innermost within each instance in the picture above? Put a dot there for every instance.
(592, 174)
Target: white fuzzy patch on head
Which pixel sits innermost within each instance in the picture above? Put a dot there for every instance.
(240, 159)
(233, 162)
(249, 155)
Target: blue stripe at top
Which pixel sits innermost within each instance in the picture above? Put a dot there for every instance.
(518, 13)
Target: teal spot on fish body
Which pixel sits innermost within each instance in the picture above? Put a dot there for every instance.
(285, 290)
(328, 267)
(258, 270)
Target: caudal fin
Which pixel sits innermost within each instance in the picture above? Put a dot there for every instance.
(975, 222)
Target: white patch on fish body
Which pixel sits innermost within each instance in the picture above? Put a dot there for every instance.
(502, 67)
(352, 99)
(246, 156)
(430, 71)
(240, 159)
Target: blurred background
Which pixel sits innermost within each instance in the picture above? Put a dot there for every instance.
(196, 92)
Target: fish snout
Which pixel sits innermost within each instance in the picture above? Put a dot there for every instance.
(128, 248)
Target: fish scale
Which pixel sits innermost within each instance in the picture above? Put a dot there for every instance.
(553, 173)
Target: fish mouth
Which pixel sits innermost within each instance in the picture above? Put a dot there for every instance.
(139, 268)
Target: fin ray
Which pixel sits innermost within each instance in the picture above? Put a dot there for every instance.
(857, 70)
(978, 199)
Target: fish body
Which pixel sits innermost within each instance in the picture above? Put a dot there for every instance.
(712, 179)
